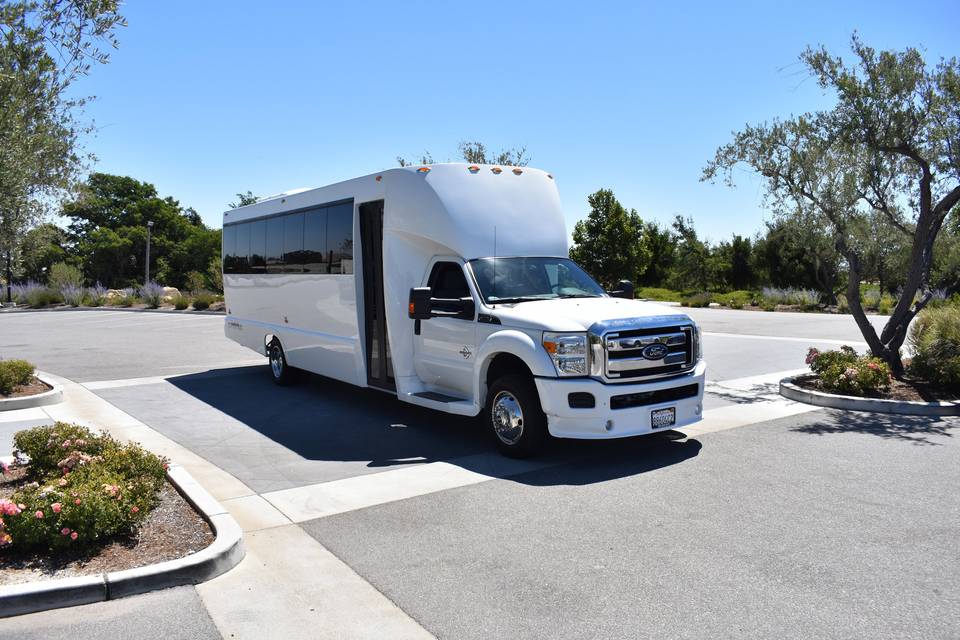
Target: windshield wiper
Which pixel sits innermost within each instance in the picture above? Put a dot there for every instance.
(578, 295)
(517, 299)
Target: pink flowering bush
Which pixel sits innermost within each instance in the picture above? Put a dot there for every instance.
(846, 372)
(91, 489)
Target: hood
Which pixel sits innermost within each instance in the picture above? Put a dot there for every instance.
(577, 314)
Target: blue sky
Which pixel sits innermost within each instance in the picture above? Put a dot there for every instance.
(205, 99)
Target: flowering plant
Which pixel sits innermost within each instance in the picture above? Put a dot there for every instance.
(844, 371)
(84, 487)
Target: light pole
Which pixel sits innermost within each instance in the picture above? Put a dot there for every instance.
(146, 279)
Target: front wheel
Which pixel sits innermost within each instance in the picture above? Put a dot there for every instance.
(281, 372)
(514, 415)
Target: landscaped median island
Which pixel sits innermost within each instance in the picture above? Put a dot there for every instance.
(18, 379)
(77, 503)
(930, 385)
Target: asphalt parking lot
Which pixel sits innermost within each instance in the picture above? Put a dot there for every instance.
(822, 524)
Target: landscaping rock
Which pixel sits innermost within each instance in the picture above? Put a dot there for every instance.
(114, 293)
(169, 293)
(714, 305)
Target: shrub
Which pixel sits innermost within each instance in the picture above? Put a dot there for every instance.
(935, 341)
(806, 298)
(128, 297)
(42, 296)
(14, 373)
(842, 305)
(696, 300)
(181, 302)
(196, 281)
(844, 371)
(21, 292)
(99, 488)
(886, 303)
(657, 293)
(736, 299)
(152, 294)
(871, 299)
(203, 300)
(72, 294)
(63, 275)
(772, 296)
(97, 295)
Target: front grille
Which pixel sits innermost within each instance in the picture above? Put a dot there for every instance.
(645, 398)
(648, 352)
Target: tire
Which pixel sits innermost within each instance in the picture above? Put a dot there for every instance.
(281, 373)
(514, 416)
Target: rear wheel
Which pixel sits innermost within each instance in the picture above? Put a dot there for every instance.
(514, 415)
(282, 374)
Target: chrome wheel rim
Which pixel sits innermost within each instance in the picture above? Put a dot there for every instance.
(507, 418)
(276, 362)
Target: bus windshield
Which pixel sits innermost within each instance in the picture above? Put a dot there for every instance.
(510, 280)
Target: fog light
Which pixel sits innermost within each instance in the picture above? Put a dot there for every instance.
(609, 425)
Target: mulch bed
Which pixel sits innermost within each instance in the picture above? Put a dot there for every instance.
(172, 530)
(904, 390)
(32, 388)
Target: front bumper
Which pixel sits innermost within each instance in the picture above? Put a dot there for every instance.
(565, 422)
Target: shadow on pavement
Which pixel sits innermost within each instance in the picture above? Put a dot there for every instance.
(320, 419)
(915, 429)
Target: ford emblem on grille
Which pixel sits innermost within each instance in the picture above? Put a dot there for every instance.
(655, 351)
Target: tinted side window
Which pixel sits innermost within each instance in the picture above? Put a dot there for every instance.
(293, 243)
(274, 245)
(315, 242)
(258, 246)
(340, 238)
(243, 248)
(229, 249)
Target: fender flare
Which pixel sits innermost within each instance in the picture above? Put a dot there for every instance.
(516, 343)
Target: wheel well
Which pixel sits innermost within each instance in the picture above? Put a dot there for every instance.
(267, 339)
(502, 364)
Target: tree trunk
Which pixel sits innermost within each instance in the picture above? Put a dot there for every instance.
(9, 275)
(877, 347)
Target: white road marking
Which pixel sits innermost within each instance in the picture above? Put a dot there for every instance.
(809, 341)
(762, 402)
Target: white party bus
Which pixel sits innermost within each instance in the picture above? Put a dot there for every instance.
(449, 285)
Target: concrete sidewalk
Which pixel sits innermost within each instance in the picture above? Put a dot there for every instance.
(288, 585)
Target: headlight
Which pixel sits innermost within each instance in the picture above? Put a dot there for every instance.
(697, 344)
(568, 352)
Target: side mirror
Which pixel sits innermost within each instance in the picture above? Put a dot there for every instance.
(469, 308)
(419, 307)
(624, 290)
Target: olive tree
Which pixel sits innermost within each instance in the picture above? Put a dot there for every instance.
(889, 149)
(44, 46)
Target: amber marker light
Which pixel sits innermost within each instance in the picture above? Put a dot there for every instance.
(473, 168)
(497, 170)
(379, 178)
(550, 346)
(410, 308)
(423, 170)
(517, 171)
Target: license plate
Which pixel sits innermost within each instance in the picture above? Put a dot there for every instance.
(660, 418)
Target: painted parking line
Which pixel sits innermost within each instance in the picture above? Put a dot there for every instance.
(761, 403)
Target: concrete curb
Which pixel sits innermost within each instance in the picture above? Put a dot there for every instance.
(53, 396)
(106, 308)
(223, 554)
(876, 405)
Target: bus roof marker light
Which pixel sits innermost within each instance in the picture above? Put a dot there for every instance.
(473, 168)
(379, 178)
(423, 170)
(517, 171)
(497, 170)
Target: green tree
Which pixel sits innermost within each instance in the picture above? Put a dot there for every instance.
(660, 250)
(890, 145)
(795, 252)
(109, 231)
(609, 243)
(40, 248)
(244, 199)
(44, 47)
(692, 267)
(477, 153)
